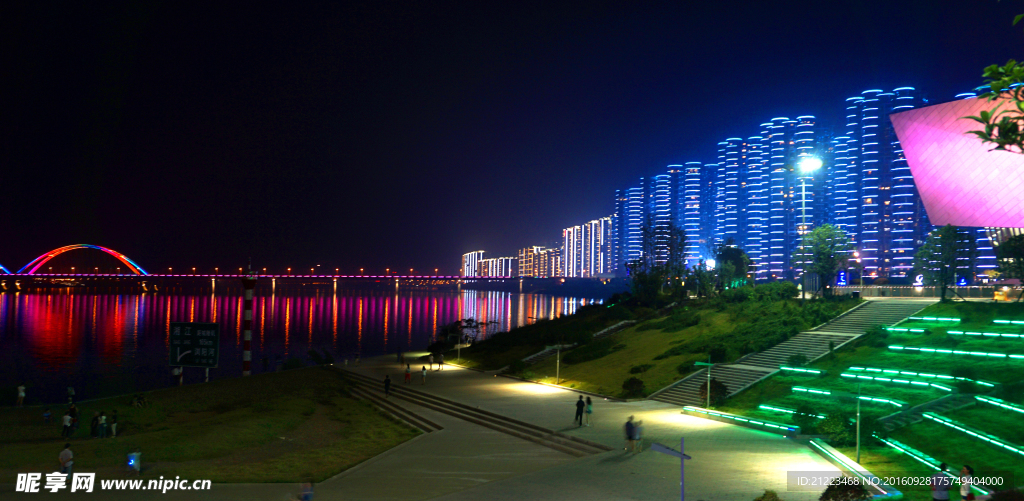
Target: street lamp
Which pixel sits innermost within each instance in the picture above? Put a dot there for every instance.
(360, 271)
(856, 255)
(807, 166)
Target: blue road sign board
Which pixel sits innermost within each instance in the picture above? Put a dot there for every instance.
(193, 344)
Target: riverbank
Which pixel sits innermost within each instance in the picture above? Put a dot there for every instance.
(277, 427)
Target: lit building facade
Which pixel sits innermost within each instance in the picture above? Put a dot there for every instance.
(529, 261)
(470, 263)
(497, 267)
(586, 249)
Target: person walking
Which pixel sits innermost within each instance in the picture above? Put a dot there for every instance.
(113, 424)
(387, 386)
(423, 375)
(440, 363)
(66, 432)
(66, 458)
(580, 407)
(966, 480)
(590, 410)
(629, 434)
(940, 484)
(94, 426)
(408, 374)
(21, 395)
(430, 360)
(47, 415)
(73, 411)
(638, 437)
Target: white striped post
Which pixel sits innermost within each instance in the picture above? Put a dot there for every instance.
(249, 284)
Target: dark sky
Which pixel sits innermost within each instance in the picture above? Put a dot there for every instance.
(385, 134)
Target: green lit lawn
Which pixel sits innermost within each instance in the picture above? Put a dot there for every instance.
(276, 427)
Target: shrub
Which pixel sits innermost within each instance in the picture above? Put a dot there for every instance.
(806, 419)
(718, 391)
(836, 427)
(768, 496)
(774, 291)
(516, 367)
(797, 360)
(592, 351)
(684, 367)
(838, 490)
(737, 295)
(633, 388)
(619, 312)
(638, 369)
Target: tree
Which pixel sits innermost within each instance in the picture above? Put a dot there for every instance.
(675, 258)
(703, 278)
(824, 251)
(662, 261)
(718, 391)
(732, 265)
(1004, 123)
(1010, 255)
(941, 255)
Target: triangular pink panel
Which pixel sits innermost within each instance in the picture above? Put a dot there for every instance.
(960, 180)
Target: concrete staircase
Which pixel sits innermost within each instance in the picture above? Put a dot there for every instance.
(813, 344)
(573, 446)
(940, 405)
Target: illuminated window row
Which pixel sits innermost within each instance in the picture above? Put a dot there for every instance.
(938, 386)
(992, 439)
(785, 410)
(956, 352)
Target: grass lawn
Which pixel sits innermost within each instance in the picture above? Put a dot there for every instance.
(885, 461)
(276, 427)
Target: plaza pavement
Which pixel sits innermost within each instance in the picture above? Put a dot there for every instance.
(465, 461)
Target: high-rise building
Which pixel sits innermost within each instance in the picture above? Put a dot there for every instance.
(497, 267)
(550, 263)
(694, 207)
(470, 262)
(529, 261)
(586, 249)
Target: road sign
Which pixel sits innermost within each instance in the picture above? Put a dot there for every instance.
(682, 463)
(194, 344)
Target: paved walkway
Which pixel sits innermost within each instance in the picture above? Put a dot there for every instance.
(469, 462)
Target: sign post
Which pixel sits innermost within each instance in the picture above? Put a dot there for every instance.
(682, 464)
(194, 344)
(709, 366)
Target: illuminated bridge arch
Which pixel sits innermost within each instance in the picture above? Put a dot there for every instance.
(5, 270)
(38, 262)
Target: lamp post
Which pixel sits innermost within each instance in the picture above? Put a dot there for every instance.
(856, 256)
(709, 365)
(807, 166)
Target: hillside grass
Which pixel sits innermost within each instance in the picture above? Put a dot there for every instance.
(276, 427)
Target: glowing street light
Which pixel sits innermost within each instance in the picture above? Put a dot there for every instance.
(193, 270)
(360, 271)
(387, 271)
(435, 272)
(289, 271)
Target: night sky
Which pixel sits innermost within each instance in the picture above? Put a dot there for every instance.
(383, 134)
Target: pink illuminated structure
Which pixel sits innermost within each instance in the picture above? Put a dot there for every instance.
(961, 181)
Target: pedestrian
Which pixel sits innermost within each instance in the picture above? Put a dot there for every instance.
(387, 386)
(94, 426)
(590, 410)
(629, 434)
(307, 490)
(66, 459)
(966, 480)
(638, 437)
(440, 363)
(423, 375)
(102, 432)
(940, 484)
(113, 424)
(408, 374)
(402, 361)
(73, 411)
(47, 415)
(580, 407)
(71, 395)
(66, 432)
(21, 395)
(430, 360)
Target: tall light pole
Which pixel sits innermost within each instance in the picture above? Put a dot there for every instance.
(807, 166)
(856, 256)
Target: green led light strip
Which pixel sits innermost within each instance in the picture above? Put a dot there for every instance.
(769, 424)
(786, 410)
(1001, 403)
(989, 334)
(896, 372)
(815, 372)
(866, 398)
(854, 467)
(956, 352)
(992, 439)
(938, 386)
(902, 329)
(1017, 322)
(935, 319)
(920, 457)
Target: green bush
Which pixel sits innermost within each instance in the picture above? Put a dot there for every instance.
(639, 369)
(836, 427)
(684, 367)
(737, 295)
(838, 490)
(797, 360)
(619, 313)
(719, 391)
(633, 388)
(774, 291)
(516, 367)
(592, 351)
(806, 419)
(768, 496)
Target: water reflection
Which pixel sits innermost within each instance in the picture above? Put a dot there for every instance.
(110, 343)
